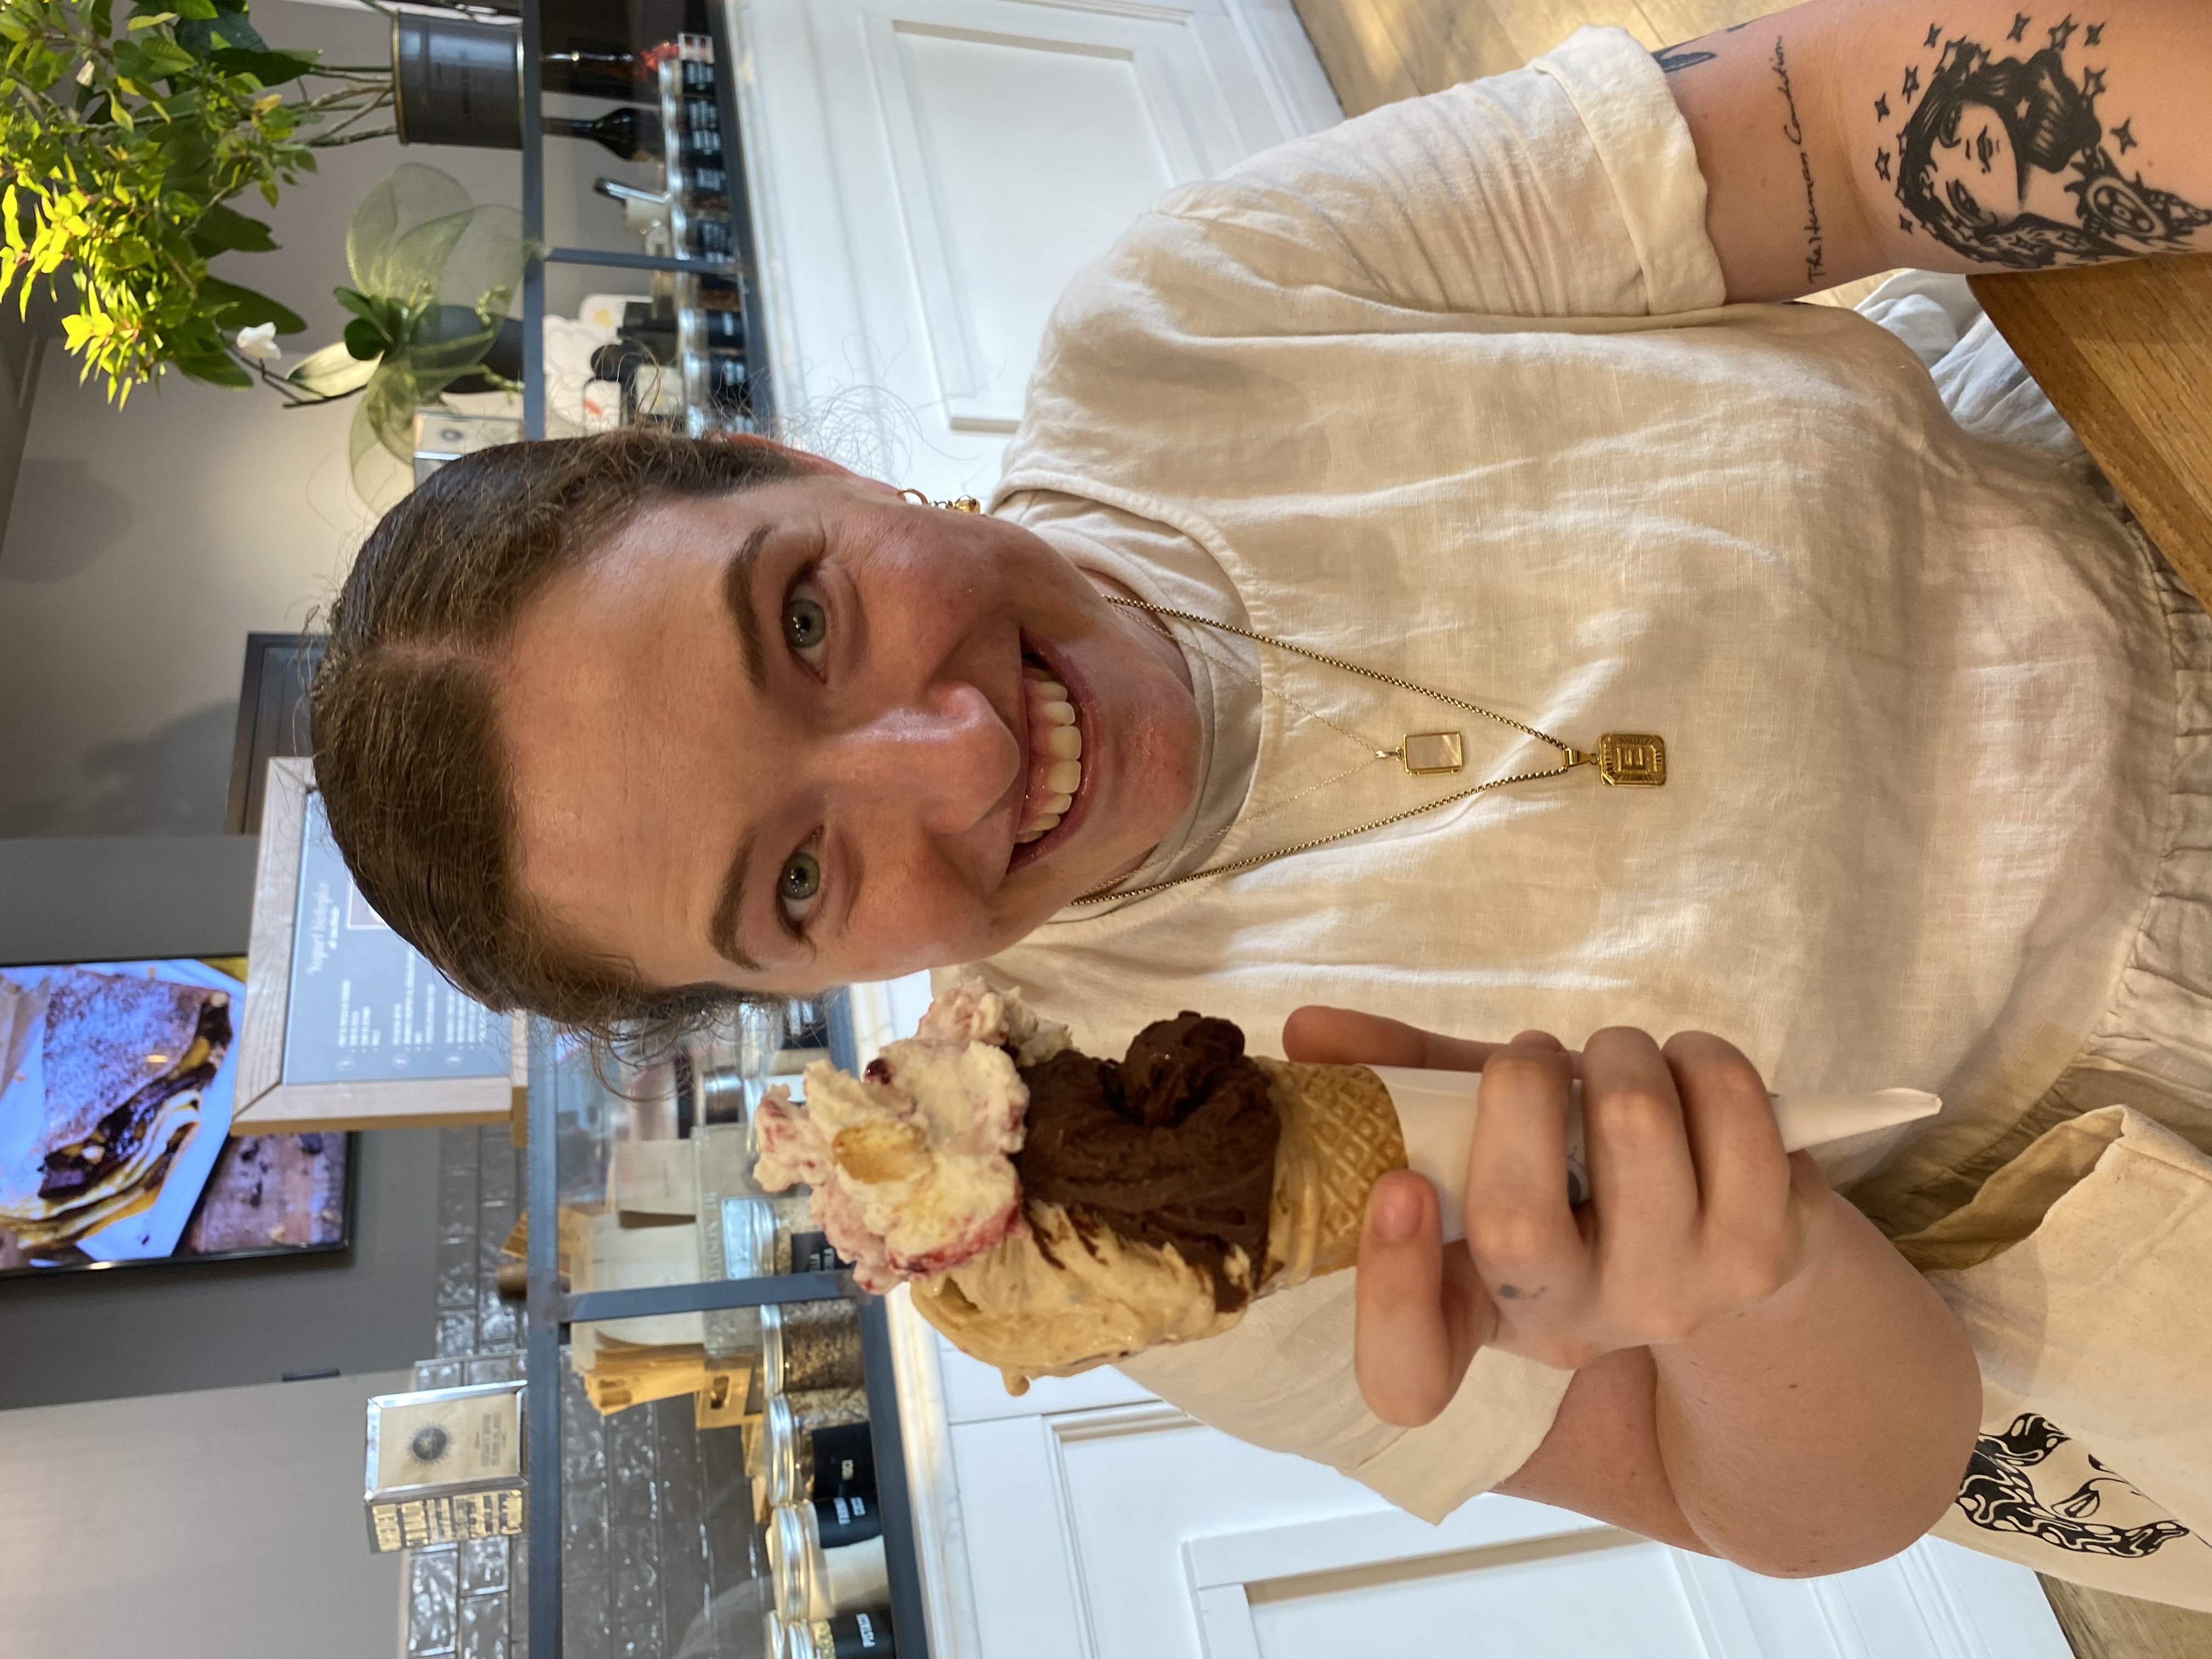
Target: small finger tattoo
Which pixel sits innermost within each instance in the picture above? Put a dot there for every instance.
(1515, 1293)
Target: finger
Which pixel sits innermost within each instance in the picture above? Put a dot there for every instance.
(1340, 1036)
(1519, 1227)
(1546, 1040)
(1643, 1180)
(1418, 1319)
(1735, 1142)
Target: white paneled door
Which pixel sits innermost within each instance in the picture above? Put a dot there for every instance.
(928, 174)
(1089, 1520)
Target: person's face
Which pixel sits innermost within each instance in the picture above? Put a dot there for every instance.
(1975, 169)
(795, 736)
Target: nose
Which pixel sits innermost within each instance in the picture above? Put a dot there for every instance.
(944, 756)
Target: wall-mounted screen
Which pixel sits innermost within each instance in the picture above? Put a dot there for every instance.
(115, 1110)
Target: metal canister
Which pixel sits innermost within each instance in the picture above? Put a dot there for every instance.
(816, 1446)
(815, 1580)
(456, 81)
(863, 1633)
(806, 1345)
(853, 1519)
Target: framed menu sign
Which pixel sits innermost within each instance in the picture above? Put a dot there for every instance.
(347, 1026)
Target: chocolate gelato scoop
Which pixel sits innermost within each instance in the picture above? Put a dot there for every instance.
(1173, 1145)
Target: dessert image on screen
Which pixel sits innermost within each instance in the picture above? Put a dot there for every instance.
(1055, 1210)
(125, 1063)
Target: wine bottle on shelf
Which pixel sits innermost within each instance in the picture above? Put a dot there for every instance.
(601, 72)
(632, 133)
(610, 72)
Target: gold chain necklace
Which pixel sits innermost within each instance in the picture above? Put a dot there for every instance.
(1628, 760)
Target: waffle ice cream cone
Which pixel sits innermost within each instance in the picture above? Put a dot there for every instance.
(1341, 1136)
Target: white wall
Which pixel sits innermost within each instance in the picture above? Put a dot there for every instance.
(221, 1525)
(145, 543)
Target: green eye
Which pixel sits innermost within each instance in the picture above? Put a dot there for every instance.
(806, 623)
(797, 883)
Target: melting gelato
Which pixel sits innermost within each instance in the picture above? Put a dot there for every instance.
(1173, 1145)
(911, 1163)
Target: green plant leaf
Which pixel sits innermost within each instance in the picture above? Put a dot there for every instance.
(270, 68)
(152, 57)
(195, 8)
(223, 229)
(333, 372)
(150, 20)
(364, 339)
(230, 306)
(372, 306)
(218, 369)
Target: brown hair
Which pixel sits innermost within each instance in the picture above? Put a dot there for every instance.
(407, 755)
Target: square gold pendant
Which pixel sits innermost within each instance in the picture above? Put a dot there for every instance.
(1633, 760)
(1427, 752)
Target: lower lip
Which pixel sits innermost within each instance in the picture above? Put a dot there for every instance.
(1027, 853)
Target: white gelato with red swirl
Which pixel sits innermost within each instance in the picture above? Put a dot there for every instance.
(911, 1165)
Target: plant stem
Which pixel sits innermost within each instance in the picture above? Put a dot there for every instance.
(362, 113)
(352, 139)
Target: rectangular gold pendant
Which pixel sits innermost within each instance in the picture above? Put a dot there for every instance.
(1632, 760)
(1428, 752)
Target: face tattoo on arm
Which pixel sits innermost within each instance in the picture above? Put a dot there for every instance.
(2008, 159)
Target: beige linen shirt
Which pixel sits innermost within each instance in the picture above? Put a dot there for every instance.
(1451, 391)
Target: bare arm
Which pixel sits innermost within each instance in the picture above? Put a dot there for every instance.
(1759, 1375)
(1847, 136)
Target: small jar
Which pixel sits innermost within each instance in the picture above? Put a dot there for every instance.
(851, 1519)
(818, 1444)
(749, 1237)
(863, 1633)
(801, 1246)
(715, 380)
(815, 1580)
(806, 1345)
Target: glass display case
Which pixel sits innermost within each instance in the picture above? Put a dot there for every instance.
(710, 1359)
(639, 304)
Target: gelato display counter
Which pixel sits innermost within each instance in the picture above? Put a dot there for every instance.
(665, 1286)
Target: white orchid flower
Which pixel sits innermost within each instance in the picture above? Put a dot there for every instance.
(259, 342)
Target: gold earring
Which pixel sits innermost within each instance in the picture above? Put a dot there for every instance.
(957, 504)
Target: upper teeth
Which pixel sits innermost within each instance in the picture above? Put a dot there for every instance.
(1060, 744)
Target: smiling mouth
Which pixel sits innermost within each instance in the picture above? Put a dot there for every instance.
(1055, 784)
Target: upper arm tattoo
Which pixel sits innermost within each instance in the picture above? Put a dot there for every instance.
(1793, 133)
(2008, 160)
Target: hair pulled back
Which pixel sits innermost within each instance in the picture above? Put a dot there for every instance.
(407, 755)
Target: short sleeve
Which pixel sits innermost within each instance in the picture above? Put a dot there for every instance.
(1567, 189)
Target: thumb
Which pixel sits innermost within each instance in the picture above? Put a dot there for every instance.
(1420, 1312)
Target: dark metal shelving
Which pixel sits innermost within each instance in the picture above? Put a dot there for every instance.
(743, 269)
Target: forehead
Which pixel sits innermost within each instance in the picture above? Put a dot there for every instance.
(620, 699)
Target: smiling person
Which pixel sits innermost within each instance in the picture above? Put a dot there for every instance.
(1421, 584)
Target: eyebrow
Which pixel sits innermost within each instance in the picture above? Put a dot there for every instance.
(737, 599)
(730, 910)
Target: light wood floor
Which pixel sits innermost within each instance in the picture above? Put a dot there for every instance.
(1374, 52)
